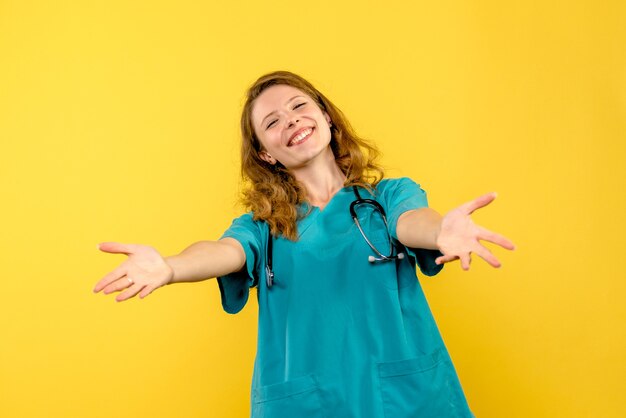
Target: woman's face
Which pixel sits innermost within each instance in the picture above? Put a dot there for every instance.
(291, 127)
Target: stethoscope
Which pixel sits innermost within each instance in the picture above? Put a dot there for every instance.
(269, 276)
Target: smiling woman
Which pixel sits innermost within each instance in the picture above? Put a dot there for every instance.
(270, 165)
(342, 331)
(292, 124)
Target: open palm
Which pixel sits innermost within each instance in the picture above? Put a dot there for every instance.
(143, 271)
(460, 236)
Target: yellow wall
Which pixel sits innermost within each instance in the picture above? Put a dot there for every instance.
(118, 122)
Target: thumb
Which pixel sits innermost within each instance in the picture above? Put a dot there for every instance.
(479, 202)
(116, 247)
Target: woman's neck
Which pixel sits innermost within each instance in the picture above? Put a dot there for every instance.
(322, 179)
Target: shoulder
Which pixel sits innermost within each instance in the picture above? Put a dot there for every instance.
(394, 185)
(245, 224)
(400, 193)
(249, 219)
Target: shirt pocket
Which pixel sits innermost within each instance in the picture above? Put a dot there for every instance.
(424, 386)
(298, 397)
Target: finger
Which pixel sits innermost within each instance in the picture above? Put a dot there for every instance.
(465, 261)
(129, 293)
(487, 255)
(111, 277)
(116, 248)
(479, 202)
(120, 284)
(445, 259)
(490, 236)
(146, 291)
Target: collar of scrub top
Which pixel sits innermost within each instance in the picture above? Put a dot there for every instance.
(269, 272)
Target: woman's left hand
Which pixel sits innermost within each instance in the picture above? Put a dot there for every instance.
(459, 236)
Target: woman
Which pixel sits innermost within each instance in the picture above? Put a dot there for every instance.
(344, 328)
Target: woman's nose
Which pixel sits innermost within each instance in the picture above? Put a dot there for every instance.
(292, 121)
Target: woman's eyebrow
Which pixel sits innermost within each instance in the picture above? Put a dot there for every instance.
(271, 113)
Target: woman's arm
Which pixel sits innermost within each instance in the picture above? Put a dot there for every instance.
(145, 270)
(419, 228)
(455, 234)
(207, 259)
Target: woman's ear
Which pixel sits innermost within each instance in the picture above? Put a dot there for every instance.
(330, 123)
(265, 156)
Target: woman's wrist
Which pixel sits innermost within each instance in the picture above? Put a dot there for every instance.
(171, 263)
(437, 233)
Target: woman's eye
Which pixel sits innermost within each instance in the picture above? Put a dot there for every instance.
(274, 121)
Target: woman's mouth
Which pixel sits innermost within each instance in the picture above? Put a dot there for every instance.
(300, 137)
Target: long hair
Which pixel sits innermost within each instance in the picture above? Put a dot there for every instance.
(272, 193)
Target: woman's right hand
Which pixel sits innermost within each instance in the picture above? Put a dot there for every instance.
(142, 272)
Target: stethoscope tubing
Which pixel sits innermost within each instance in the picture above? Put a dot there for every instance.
(269, 272)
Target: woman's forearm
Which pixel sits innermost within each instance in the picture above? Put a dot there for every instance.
(207, 259)
(419, 228)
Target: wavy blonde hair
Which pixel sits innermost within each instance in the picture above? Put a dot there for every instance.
(271, 192)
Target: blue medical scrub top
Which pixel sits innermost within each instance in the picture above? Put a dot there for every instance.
(339, 336)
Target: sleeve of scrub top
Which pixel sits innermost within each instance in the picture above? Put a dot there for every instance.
(401, 195)
(235, 287)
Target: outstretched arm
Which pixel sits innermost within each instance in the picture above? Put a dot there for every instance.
(454, 234)
(145, 270)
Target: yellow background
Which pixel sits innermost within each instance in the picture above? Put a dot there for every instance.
(119, 122)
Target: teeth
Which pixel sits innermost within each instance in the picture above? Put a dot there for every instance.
(300, 137)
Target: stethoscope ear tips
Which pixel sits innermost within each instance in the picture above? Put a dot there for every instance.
(371, 258)
(400, 256)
